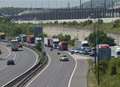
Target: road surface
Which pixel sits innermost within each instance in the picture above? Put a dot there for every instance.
(80, 75)
(24, 59)
(57, 74)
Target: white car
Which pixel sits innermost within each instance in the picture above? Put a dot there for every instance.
(64, 58)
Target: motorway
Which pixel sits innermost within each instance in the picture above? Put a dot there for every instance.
(24, 59)
(57, 74)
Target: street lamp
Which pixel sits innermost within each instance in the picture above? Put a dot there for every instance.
(96, 45)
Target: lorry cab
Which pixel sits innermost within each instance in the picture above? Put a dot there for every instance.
(14, 45)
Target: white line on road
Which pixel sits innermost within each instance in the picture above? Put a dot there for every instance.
(70, 80)
(36, 55)
(49, 62)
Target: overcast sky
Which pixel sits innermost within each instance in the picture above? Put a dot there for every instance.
(39, 3)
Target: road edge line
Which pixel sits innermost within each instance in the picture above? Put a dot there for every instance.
(70, 80)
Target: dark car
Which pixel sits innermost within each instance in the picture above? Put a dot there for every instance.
(58, 53)
(11, 62)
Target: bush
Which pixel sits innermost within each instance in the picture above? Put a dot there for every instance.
(100, 21)
(39, 46)
(116, 24)
(102, 38)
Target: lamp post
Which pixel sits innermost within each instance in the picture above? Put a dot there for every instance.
(96, 46)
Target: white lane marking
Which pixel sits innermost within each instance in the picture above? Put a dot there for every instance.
(36, 55)
(70, 80)
(14, 56)
(49, 62)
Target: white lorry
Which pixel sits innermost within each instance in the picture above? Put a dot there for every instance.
(115, 51)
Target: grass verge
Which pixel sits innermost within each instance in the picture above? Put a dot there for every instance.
(92, 82)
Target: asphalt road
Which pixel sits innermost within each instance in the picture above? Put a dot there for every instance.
(4, 51)
(24, 59)
(57, 74)
(80, 75)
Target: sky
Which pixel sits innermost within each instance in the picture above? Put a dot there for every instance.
(39, 3)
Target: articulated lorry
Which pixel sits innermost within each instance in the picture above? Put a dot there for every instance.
(14, 45)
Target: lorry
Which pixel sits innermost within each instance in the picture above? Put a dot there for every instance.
(84, 44)
(55, 43)
(14, 45)
(63, 45)
(115, 51)
(103, 52)
(30, 39)
(38, 40)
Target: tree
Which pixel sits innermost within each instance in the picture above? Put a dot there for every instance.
(102, 38)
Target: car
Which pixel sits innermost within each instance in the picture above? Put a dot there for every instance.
(58, 53)
(74, 50)
(64, 58)
(51, 49)
(11, 62)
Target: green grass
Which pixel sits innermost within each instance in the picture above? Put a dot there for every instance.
(92, 82)
(109, 77)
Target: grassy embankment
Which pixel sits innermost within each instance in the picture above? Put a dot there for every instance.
(109, 74)
(107, 27)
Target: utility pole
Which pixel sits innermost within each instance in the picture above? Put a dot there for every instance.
(105, 7)
(91, 4)
(68, 6)
(80, 4)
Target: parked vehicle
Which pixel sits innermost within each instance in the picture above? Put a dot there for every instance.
(63, 45)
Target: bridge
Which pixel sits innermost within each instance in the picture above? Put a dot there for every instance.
(67, 13)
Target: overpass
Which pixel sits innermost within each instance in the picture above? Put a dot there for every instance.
(67, 14)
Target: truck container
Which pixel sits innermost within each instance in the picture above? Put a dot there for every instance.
(104, 52)
(115, 51)
(63, 45)
(46, 41)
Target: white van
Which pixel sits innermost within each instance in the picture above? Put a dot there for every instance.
(115, 51)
